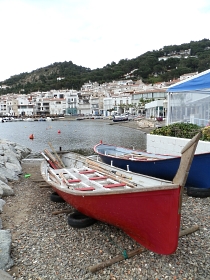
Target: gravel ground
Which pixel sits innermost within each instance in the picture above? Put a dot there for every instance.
(44, 246)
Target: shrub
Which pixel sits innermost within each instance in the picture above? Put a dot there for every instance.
(182, 130)
(206, 133)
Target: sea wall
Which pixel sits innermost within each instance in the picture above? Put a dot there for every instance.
(172, 146)
(11, 155)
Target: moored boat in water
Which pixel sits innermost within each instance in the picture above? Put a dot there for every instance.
(122, 118)
(148, 209)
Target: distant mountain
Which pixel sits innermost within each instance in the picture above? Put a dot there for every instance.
(165, 64)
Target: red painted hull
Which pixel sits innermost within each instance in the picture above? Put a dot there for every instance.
(151, 218)
(147, 209)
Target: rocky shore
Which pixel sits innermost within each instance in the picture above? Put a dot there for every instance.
(44, 246)
(144, 125)
(11, 155)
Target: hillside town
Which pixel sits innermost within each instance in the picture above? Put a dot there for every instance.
(114, 98)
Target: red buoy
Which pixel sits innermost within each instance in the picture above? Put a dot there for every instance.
(31, 136)
(59, 131)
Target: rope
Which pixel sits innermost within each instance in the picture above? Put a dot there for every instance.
(123, 251)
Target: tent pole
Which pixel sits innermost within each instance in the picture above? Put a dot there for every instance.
(168, 108)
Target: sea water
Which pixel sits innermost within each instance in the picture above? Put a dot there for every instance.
(71, 135)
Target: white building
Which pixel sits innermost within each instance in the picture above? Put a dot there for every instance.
(3, 106)
(25, 106)
(121, 104)
(57, 106)
(155, 109)
(72, 101)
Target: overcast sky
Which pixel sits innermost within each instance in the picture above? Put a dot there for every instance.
(93, 33)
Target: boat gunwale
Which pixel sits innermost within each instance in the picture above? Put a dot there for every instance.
(169, 186)
(141, 151)
(145, 154)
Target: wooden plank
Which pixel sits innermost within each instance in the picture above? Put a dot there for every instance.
(62, 211)
(186, 160)
(45, 186)
(130, 254)
(38, 181)
(188, 230)
(98, 178)
(116, 259)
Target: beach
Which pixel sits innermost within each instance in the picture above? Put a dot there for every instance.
(44, 246)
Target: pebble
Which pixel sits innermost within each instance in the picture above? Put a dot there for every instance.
(44, 246)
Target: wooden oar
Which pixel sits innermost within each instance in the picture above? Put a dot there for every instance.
(53, 159)
(89, 161)
(109, 174)
(53, 176)
(50, 161)
(57, 156)
(64, 178)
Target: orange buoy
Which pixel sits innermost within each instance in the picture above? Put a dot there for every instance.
(31, 136)
(59, 131)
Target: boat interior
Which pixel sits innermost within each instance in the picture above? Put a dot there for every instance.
(90, 175)
(124, 153)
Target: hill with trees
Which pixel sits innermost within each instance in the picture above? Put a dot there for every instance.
(165, 64)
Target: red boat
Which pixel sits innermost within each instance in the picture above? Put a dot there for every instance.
(148, 209)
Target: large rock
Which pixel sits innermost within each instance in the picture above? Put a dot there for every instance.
(8, 175)
(10, 156)
(5, 190)
(3, 178)
(4, 275)
(5, 247)
(1, 190)
(22, 151)
(2, 202)
(14, 167)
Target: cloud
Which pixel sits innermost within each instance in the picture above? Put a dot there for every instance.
(93, 33)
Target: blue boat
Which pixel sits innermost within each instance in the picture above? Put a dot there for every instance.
(159, 166)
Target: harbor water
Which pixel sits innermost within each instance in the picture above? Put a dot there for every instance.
(71, 135)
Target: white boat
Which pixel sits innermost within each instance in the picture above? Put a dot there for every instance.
(28, 119)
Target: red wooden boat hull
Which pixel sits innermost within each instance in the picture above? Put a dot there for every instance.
(149, 211)
(135, 214)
